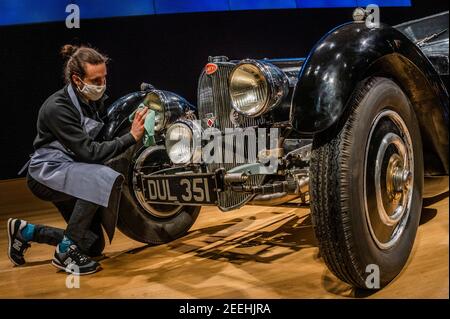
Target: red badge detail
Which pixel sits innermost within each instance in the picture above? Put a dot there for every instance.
(210, 122)
(210, 68)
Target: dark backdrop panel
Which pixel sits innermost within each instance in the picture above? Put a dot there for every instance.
(168, 51)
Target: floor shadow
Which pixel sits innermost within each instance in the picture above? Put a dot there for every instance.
(36, 263)
(100, 258)
(139, 249)
(292, 234)
(363, 293)
(263, 245)
(427, 215)
(433, 200)
(335, 286)
(288, 234)
(339, 288)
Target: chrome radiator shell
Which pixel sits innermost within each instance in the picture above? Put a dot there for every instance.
(213, 102)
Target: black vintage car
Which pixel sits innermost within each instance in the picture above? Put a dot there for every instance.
(361, 136)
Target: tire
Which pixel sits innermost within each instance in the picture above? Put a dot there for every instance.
(355, 238)
(137, 223)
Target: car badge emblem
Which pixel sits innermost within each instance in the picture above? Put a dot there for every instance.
(210, 119)
(211, 68)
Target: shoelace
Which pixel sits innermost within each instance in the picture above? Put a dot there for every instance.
(81, 257)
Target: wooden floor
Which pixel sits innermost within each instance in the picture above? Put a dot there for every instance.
(255, 252)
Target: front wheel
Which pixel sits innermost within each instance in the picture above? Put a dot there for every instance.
(366, 186)
(143, 222)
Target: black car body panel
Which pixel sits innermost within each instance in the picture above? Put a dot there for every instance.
(352, 52)
(117, 117)
(118, 113)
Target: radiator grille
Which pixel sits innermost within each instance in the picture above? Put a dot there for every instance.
(213, 101)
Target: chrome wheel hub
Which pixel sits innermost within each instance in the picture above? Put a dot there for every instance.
(388, 178)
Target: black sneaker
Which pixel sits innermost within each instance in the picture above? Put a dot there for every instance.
(73, 261)
(17, 245)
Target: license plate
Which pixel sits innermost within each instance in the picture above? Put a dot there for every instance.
(198, 189)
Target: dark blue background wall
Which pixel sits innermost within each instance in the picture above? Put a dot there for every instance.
(32, 11)
(167, 50)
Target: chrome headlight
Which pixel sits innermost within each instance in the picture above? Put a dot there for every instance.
(168, 107)
(256, 87)
(183, 142)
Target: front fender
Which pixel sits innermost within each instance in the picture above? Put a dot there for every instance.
(341, 59)
(118, 113)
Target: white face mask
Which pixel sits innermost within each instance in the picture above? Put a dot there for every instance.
(92, 92)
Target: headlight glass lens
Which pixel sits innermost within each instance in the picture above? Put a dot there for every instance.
(248, 89)
(153, 101)
(159, 121)
(179, 143)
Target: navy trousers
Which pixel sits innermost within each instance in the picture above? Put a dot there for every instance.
(83, 220)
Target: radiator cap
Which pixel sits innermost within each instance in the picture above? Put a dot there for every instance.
(219, 58)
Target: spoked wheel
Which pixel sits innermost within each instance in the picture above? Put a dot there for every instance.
(366, 186)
